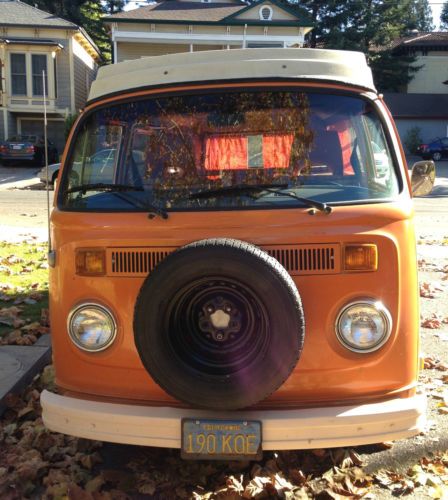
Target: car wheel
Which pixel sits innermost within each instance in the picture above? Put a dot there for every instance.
(219, 324)
(437, 156)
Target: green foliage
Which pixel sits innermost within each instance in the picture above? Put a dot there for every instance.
(370, 26)
(412, 139)
(114, 6)
(67, 9)
(444, 16)
(392, 72)
(85, 13)
(68, 124)
(92, 13)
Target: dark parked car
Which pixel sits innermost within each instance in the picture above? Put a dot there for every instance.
(436, 149)
(27, 148)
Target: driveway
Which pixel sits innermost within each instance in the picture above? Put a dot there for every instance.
(18, 176)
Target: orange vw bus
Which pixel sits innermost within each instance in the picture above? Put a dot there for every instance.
(233, 265)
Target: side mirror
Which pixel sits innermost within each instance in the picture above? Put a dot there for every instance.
(423, 177)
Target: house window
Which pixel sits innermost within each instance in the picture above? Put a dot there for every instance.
(39, 64)
(18, 74)
(266, 13)
(26, 75)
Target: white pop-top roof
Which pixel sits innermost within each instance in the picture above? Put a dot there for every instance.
(236, 64)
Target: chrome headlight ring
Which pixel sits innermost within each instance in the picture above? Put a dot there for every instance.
(91, 327)
(363, 326)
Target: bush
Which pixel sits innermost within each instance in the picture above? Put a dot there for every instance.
(69, 121)
(413, 139)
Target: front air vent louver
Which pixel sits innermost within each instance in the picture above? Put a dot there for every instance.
(135, 261)
(306, 259)
(297, 259)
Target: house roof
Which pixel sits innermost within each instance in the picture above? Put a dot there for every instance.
(179, 11)
(30, 41)
(172, 12)
(233, 65)
(15, 13)
(422, 106)
(422, 39)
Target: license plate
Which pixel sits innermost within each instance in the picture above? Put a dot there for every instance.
(17, 147)
(204, 439)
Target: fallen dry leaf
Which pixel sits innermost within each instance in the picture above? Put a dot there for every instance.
(431, 323)
(430, 290)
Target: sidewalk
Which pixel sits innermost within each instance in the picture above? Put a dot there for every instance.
(18, 177)
(18, 234)
(14, 184)
(19, 365)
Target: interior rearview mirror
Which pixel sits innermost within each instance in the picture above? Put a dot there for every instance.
(423, 177)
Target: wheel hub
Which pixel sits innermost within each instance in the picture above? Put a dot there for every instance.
(220, 319)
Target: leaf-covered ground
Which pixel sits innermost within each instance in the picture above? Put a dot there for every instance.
(38, 464)
(23, 293)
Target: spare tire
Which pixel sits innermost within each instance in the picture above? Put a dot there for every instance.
(219, 324)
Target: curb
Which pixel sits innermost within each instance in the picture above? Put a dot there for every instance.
(20, 364)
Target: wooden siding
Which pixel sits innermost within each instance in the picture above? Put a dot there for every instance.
(63, 99)
(430, 77)
(127, 50)
(84, 73)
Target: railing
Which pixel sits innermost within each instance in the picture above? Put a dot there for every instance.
(36, 102)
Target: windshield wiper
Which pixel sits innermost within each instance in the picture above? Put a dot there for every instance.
(236, 189)
(118, 189)
(259, 188)
(100, 186)
(153, 210)
(322, 207)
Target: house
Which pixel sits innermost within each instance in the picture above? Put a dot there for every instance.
(428, 112)
(431, 53)
(424, 103)
(33, 41)
(172, 26)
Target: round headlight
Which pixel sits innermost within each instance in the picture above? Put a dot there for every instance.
(92, 327)
(364, 326)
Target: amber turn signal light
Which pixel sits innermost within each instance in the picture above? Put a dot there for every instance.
(90, 262)
(361, 257)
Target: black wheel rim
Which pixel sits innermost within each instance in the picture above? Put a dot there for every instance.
(216, 326)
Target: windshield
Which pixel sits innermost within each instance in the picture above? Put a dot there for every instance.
(169, 151)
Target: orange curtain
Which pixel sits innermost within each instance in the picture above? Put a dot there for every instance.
(277, 150)
(345, 138)
(230, 152)
(225, 153)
